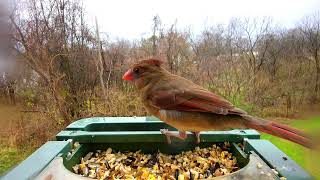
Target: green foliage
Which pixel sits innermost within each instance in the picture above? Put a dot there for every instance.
(29, 97)
(9, 157)
(239, 101)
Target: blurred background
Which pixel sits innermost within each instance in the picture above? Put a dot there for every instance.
(63, 60)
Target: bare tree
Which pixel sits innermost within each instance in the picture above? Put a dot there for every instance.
(310, 28)
(155, 28)
(99, 62)
(174, 46)
(51, 41)
(274, 52)
(116, 54)
(253, 47)
(253, 32)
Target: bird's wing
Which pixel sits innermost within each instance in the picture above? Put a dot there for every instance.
(194, 99)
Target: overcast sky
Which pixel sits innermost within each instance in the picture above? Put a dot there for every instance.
(131, 19)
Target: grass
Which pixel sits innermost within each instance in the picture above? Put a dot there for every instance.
(21, 134)
(9, 157)
(306, 158)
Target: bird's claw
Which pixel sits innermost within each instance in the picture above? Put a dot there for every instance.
(165, 132)
(197, 136)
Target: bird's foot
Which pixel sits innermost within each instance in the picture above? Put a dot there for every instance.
(181, 135)
(197, 135)
(165, 132)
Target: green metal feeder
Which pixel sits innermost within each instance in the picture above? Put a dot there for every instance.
(55, 159)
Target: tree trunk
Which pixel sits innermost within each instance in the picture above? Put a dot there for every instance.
(59, 104)
(317, 77)
(100, 63)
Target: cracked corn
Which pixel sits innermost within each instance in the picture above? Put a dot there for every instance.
(199, 163)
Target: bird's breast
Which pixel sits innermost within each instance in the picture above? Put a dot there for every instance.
(199, 121)
(187, 121)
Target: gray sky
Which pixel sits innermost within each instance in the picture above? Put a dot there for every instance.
(131, 19)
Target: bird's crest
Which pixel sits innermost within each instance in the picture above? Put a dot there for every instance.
(155, 62)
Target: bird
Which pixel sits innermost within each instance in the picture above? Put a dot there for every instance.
(187, 106)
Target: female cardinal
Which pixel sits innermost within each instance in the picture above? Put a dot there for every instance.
(189, 107)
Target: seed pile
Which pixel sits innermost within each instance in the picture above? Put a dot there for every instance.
(200, 163)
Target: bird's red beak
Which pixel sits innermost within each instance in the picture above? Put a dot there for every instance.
(128, 76)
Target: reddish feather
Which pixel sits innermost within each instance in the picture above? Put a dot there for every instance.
(195, 100)
(280, 130)
(156, 62)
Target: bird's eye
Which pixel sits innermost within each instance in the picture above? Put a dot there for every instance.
(136, 70)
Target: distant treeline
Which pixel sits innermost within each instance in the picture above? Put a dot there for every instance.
(71, 71)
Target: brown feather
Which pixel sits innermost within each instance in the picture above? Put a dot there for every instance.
(191, 98)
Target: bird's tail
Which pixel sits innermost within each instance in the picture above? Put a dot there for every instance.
(277, 129)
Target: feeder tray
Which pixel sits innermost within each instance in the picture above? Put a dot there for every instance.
(257, 158)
